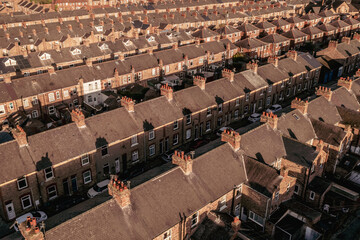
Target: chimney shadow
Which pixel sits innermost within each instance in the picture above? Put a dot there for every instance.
(218, 100)
(292, 134)
(186, 111)
(45, 162)
(259, 157)
(147, 125)
(100, 142)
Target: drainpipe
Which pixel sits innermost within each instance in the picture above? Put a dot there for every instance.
(266, 213)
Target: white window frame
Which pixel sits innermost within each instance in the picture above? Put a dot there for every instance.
(220, 107)
(23, 198)
(312, 195)
(34, 114)
(107, 150)
(151, 135)
(188, 133)
(222, 203)
(87, 179)
(188, 119)
(134, 140)
(252, 217)
(135, 156)
(85, 159)
(298, 188)
(194, 219)
(48, 192)
(21, 179)
(276, 196)
(176, 125)
(46, 173)
(238, 190)
(51, 110)
(51, 97)
(176, 137)
(208, 126)
(152, 150)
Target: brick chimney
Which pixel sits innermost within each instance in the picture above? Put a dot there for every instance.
(51, 70)
(227, 73)
(29, 230)
(20, 136)
(70, 27)
(300, 105)
(332, 44)
(270, 119)
(236, 224)
(320, 145)
(200, 82)
(356, 36)
(88, 62)
(167, 91)
(175, 46)
(346, 40)
(128, 103)
(78, 117)
(345, 82)
(184, 161)
(274, 60)
(231, 137)
(252, 66)
(292, 54)
(323, 91)
(119, 191)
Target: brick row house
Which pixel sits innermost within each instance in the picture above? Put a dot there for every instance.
(112, 147)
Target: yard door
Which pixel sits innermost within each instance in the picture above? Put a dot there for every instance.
(10, 210)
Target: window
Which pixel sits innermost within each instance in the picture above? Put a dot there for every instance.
(208, 126)
(151, 135)
(84, 159)
(296, 189)
(57, 95)
(188, 133)
(208, 113)
(288, 92)
(299, 87)
(167, 235)
(222, 203)
(219, 121)
(313, 168)
(188, 119)
(246, 109)
(167, 69)
(236, 114)
(237, 102)
(51, 97)
(48, 173)
(87, 177)
(11, 106)
(176, 125)
(152, 150)
(238, 191)
(153, 71)
(247, 96)
(26, 102)
(35, 114)
(256, 218)
(194, 219)
(276, 196)
(52, 193)
(312, 195)
(135, 156)
(104, 150)
(26, 202)
(268, 99)
(220, 107)
(22, 183)
(175, 139)
(2, 109)
(288, 187)
(134, 140)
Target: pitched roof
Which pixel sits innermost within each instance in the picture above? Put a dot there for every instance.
(321, 109)
(329, 133)
(274, 38)
(299, 152)
(341, 97)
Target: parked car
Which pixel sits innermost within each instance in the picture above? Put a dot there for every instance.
(39, 215)
(255, 117)
(198, 143)
(98, 188)
(167, 157)
(274, 108)
(221, 130)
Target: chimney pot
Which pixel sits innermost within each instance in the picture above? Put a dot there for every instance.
(325, 92)
(78, 117)
(120, 192)
(200, 82)
(270, 119)
(345, 82)
(20, 136)
(167, 91)
(227, 73)
(184, 161)
(128, 103)
(302, 106)
(231, 137)
(292, 54)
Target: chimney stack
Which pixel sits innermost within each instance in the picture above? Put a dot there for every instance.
(20, 136)
(332, 44)
(232, 137)
(356, 36)
(270, 119)
(200, 82)
(70, 27)
(78, 117)
(88, 62)
(184, 161)
(51, 70)
(300, 105)
(236, 224)
(325, 92)
(252, 66)
(292, 54)
(346, 40)
(128, 103)
(227, 73)
(274, 60)
(320, 146)
(120, 192)
(167, 92)
(29, 229)
(175, 46)
(345, 82)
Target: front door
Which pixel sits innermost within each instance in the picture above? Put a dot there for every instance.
(74, 184)
(66, 187)
(254, 108)
(10, 210)
(117, 165)
(166, 144)
(243, 214)
(124, 161)
(196, 132)
(237, 210)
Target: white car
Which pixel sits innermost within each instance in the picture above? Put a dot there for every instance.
(255, 117)
(274, 108)
(98, 188)
(167, 157)
(221, 130)
(39, 215)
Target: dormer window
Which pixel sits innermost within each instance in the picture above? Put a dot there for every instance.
(151, 39)
(10, 62)
(44, 56)
(99, 28)
(103, 47)
(76, 51)
(127, 43)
